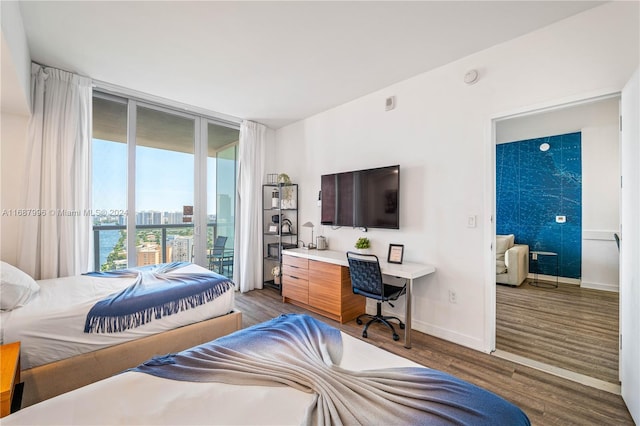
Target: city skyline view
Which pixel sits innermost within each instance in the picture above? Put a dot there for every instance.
(164, 179)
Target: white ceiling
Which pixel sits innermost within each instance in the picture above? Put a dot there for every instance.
(272, 62)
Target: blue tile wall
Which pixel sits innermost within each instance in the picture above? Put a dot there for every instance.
(532, 188)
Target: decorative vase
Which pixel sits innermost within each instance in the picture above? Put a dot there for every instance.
(276, 279)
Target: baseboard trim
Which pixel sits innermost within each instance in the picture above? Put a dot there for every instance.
(552, 278)
(600, 286)
(449, 335)
(560, 372)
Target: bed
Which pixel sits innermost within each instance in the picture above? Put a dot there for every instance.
(289, 370)
(59, 354)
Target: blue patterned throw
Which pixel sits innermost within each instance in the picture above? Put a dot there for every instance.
(299, 351)
(155, 293)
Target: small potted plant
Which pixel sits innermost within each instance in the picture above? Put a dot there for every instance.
(363, 244)
(275, 271)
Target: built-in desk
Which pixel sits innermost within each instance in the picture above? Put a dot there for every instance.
(407, 270)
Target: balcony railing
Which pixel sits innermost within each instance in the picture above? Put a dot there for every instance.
(97, 229)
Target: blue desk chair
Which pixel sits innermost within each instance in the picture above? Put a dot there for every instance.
(366, 280)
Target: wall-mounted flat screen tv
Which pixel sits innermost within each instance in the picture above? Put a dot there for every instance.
(362, 198)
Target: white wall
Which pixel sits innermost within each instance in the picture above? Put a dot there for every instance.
(16, 61)
(598, 122)
(12, 154)
(440, 133)
(16, 75)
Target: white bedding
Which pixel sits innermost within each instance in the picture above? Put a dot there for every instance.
(138, 398)
(51, 326)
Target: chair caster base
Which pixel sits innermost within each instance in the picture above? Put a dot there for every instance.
(364, 334)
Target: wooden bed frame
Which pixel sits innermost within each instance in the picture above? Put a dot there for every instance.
(49, 380)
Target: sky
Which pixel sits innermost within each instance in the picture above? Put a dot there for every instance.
(164, 179)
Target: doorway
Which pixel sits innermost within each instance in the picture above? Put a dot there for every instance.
(531, 313)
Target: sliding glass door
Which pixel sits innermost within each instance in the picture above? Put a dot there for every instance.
(221, 167)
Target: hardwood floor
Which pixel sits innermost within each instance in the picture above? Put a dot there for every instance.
(547, 399)
(568, 327)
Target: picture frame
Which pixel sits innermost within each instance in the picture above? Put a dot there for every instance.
(396, 253)
(273, 229)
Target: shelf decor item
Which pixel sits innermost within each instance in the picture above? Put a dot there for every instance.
(275, 271)
(288, 201)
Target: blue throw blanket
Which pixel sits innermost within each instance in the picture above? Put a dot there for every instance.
(155, 294)
(299, 351)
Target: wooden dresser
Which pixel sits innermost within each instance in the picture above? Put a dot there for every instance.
(9, 375)
(321, 287)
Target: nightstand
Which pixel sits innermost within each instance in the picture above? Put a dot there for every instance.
(9, 375)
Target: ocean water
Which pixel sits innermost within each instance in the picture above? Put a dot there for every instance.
(108, 240)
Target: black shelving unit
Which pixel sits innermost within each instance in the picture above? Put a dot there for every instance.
(279, 227)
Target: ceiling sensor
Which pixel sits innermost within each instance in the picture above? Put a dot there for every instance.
(471, 77)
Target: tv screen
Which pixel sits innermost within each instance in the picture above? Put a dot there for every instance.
(363, 198)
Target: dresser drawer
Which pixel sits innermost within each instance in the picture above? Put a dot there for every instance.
(298, 262)
(295, 272)
(295, 288)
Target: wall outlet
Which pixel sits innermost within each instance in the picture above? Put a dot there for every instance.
(453, 298)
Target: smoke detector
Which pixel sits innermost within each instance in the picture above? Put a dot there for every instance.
(471, 77)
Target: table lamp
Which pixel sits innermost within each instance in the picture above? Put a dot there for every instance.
(310, 225)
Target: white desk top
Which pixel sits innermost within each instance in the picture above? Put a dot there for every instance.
(407, 270)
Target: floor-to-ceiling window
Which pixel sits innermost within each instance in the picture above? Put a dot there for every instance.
(109, 182)
(165, 176)
(164, 186)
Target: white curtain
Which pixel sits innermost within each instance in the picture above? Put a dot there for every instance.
(247, 268)
(55, 237)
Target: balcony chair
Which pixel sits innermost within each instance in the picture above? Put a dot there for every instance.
(366, 280)
(219, 258)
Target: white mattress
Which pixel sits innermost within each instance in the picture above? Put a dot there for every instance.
(51, 326)
(138, 398)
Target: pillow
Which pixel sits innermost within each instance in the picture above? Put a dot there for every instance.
(503, 243)
(16, 287)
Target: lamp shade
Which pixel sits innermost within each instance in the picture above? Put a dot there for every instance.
(308, 225)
